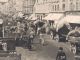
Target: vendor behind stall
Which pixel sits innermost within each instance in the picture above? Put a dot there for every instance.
(62, 30)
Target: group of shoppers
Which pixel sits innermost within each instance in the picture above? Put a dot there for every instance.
(3, 46)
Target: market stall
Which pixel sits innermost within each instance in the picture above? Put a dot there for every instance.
(52, 20)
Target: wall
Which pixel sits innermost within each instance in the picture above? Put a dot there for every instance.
(28, 6)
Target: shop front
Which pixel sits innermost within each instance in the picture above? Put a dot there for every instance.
(52, 20)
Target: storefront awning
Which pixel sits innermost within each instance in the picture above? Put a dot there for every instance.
(68, 19)
(54, 16)
(72, 19)
(32, 17)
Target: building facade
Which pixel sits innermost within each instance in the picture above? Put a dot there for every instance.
(28, 6)
(43, 7)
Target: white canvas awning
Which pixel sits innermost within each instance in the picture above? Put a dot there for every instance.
(54, 16)
(68, 19)
(72, 19)
(32, 17)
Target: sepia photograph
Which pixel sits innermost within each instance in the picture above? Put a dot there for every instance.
(39, 29)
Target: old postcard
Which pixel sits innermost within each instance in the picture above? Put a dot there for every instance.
(39, 29)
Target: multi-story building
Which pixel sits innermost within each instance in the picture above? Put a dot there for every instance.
(65, 5)
(28, 6)
(43, 7)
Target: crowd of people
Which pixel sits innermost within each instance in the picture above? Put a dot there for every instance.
(27, 30)
(3, 46)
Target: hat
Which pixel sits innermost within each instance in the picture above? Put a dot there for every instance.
(60, 48)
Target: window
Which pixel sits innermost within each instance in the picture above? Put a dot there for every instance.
(71, 6)
(77, 0)
(63, 7)
(43, 15)
(77, 6)
(55, 7)
(63, 0)
(71, 0)
(37, 1)
(38, 16)
(44, 1)
(58, 7)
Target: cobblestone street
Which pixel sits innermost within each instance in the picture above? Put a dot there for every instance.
(47, 52)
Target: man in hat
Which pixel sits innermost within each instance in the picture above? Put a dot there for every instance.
(30, 40)
(61, 54)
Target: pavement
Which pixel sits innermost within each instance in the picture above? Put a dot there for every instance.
(46, 52)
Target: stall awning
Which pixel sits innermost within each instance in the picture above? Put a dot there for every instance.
(32, 17)
(72, 19)
(54, 16)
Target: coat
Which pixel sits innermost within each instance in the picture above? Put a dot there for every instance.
(61, 56)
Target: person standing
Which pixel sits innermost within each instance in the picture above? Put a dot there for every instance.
(73, 48)
(30, 40)
(42, 39)
(61, 54)
(4, 46)
(1, 45)
(29, 43)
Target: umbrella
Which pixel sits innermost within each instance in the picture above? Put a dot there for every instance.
(61, 23)
(39, 23)
(74, 33)
(35, 22)
(74, 36)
